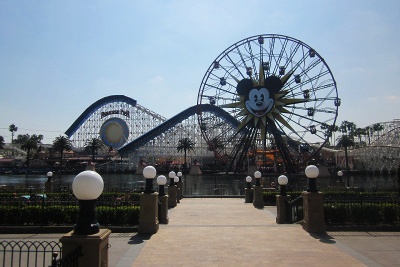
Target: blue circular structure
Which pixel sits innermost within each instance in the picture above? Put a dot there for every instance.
(114, 132)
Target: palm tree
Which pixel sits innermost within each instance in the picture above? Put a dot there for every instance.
(348, 128)
(377, 127)
(12, 128)
(60, 144)
(29, 143)
(359, 132)
(345, 141)
(2, 142)
(186, 145)
(94, 145)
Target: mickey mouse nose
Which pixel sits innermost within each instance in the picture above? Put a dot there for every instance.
(259, 103)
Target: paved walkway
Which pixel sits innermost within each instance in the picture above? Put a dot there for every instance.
(228, 232)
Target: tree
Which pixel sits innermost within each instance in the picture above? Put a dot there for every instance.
(94, 145)
(29, 143)
(12, 128)
(186, 145)
(2, 142)
(348, 128)
(377, 127)
(345, 141)
(359, 132)
(60, 144)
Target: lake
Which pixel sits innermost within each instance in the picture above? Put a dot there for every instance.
(231, 184)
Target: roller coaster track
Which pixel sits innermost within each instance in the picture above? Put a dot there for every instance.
(169, 124)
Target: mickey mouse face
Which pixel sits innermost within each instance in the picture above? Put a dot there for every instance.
(259, 102)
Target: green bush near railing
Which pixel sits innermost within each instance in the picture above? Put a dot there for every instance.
(362, 214)
(66, 215)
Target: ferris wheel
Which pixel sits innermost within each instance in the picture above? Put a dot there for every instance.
(281, 92)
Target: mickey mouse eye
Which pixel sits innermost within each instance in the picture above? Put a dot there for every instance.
(262, 97)
(255, 98)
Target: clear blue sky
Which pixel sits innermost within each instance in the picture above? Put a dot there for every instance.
(58, 57)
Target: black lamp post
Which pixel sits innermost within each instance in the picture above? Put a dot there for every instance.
(171, 176)
(312, 173)
(49, 175)
(257, 175)
(248, 182)
(87, 187)
(149, 172)
(161, 181)
(282, 181)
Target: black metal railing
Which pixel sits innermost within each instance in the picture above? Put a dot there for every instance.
(296, 208)
(28, 253)
(69, 260)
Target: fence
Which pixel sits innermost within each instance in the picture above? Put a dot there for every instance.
(36, 253)
(28, 253)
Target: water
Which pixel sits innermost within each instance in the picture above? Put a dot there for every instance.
(198, 185)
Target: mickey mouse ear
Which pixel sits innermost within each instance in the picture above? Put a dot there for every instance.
(244, 86)
(274, 84)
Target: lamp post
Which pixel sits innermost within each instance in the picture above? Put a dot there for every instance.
(87, 187)
(283, 209)
(148, 218)
(313, 203)
(258, 199)
(248, 182)
(340, 174)
(282, 181)
(176, 181)
(312, 173)
(49, 175)
(49, 183)
(180, 185)
(149, 172)
(163, 200)
(161, 181)
(172, 190)
(257, 175)
(248, 195)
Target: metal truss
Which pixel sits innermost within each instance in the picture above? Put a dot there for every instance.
(139, 119)
(152, 137)
(378, 151)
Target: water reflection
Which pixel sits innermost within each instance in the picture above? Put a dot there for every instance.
(232, 184)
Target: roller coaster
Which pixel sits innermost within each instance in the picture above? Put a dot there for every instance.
(153, 138)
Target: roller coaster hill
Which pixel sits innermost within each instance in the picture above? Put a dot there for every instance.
(134, 135)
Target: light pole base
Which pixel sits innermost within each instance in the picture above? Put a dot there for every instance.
(163, 209)
(148, 218)
(248, 195)
(313, 210)
(94, 247)
(283, 212)
(258, 198)
(172, 196)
